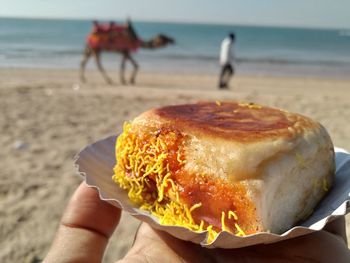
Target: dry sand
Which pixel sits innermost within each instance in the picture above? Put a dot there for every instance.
(47, 117)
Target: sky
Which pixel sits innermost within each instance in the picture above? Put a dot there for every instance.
(292, 13)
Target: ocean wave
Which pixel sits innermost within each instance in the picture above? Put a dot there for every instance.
(265, 60)
(69, 52)
(344, 33)
(38, 53)
(51, 53)
(294, 61)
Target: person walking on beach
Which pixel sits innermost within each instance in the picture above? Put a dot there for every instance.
(226, 61)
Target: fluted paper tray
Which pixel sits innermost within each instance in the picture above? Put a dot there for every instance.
(96, 162)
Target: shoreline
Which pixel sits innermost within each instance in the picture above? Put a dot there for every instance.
(48, 116)
(193, 67)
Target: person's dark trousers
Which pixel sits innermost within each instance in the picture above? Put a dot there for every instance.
(225, 76)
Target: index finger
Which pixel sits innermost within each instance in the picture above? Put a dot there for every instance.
(85, 228)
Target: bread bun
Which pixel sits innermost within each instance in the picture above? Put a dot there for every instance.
(236, 167)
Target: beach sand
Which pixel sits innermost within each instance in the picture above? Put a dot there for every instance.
(47, 116)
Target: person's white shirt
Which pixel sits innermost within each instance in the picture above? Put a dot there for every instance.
(226, 52)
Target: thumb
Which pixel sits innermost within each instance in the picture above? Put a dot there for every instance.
(85, 228)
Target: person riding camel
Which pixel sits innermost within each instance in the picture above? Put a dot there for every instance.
(120, 38)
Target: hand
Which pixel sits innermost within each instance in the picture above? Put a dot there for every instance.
(88, 223)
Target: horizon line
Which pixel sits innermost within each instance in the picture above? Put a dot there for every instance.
(175, 22)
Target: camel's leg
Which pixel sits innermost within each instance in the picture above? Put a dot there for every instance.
(86, 55)
(122, 68)
(136, 67)
(97, 56)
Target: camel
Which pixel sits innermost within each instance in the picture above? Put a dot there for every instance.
(121, 39)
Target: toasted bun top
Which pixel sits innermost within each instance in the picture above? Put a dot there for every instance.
(229, 120)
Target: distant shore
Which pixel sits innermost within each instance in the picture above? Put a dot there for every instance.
(48, 115)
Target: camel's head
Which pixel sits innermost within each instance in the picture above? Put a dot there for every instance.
(158, 41)
(163, 40)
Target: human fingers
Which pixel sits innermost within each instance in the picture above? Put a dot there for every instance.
(321, 246)
(338, 228)
(151, 245)
(85, 228)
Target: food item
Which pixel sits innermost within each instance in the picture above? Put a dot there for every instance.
(225, 166)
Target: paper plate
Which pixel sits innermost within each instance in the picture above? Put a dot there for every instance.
(96, 161)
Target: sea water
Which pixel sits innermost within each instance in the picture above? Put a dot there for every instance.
(45, 43)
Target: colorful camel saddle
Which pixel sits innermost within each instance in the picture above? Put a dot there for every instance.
(113, 37)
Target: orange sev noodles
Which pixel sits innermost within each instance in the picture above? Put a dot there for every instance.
(143, 170)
